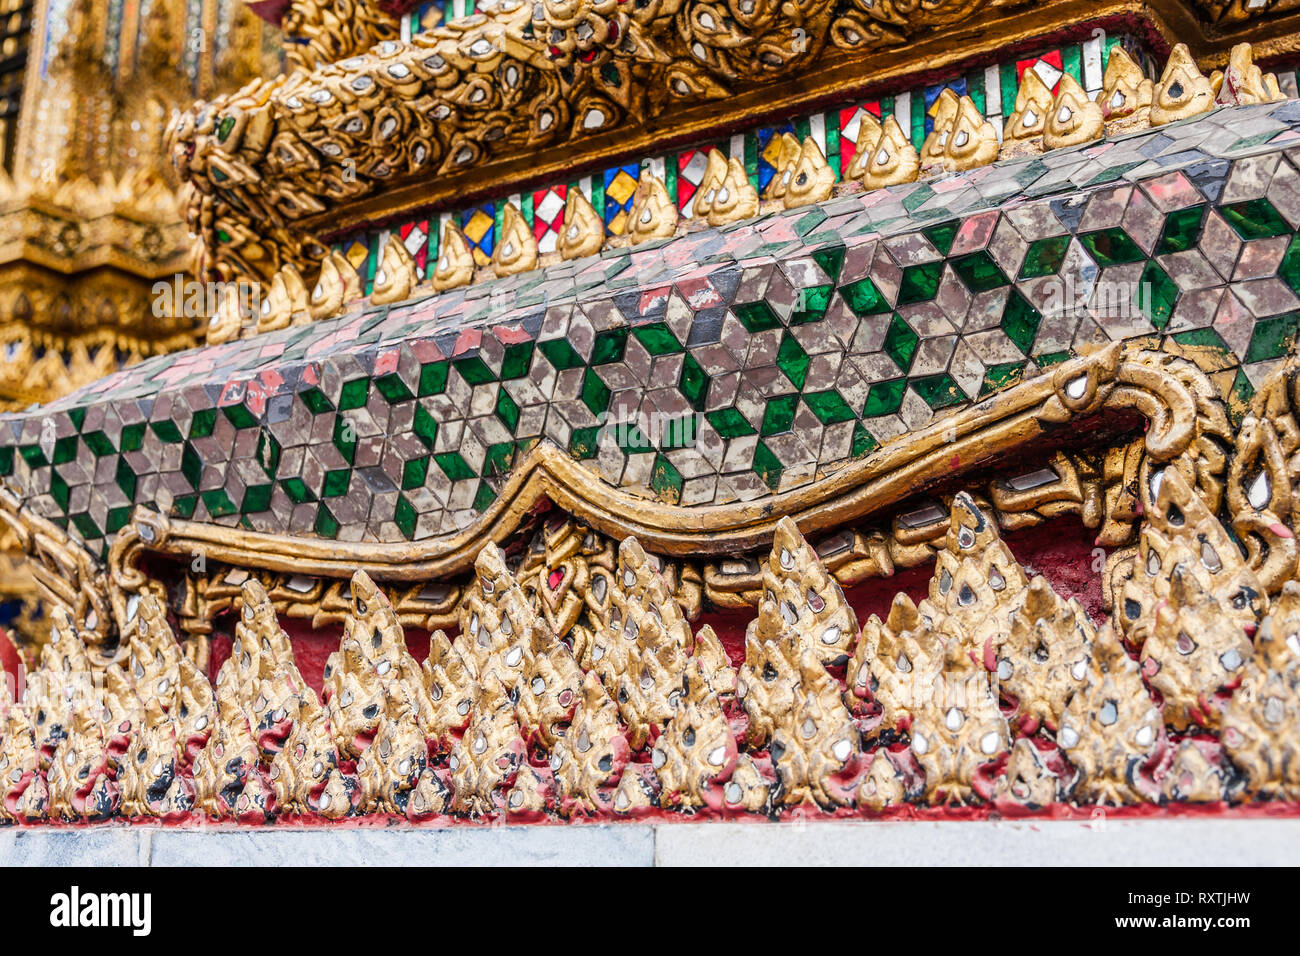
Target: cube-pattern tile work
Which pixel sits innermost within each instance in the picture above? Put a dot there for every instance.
(720, 366)
(992, 89)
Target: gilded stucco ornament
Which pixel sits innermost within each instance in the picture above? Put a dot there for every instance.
(696, 754)
(1245, 84)
(787, 159)
(812, 179)
(395, 277)
(945, 109)
(892, 160)
(337, 285)
(285, 302)
(869, 130)
(516, 248)
(1023, 132)
(815, 745)
(583, 232)
(1126, 94)
(455, 266)
(654, 214)
(1183, 90)
(227, 321)
(1073, 118)
(725, 193)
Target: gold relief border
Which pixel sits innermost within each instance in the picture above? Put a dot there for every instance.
(1106, 381)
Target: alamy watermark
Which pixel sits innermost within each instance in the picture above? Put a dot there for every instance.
(180, 296)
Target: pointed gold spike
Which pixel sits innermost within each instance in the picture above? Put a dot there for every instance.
(1183, 90)
(516, 251)
(945, 115)
(228, 321)
(1025, 125)
(1244, 84)
(725, 194)
(1073, 118)
(813, 179)
(1126, 93)
(338, 284)
(973, 142)
(786, 161)
(396, 275)
(584, 231)
(286, 300)
(654, 214)
(455, 260)
(892, 159)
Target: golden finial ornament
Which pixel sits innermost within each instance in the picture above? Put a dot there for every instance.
(869, 130)
(516, 247)
(1073, 117)
(725, 193)
(285, 302)
(813, 180)
(892, 159)
(654, 214)
(933, 149)
(337, 285)
(582, 232)
(455, 265)
(1126, 94)
(787, 158)
(395, 277)
(1024, 129)
(1183, 90)
(227, 321)
(1245, 84)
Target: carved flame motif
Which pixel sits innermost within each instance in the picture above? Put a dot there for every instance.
(1125, 91)
(815, 746)
(1045, 657)
(654, 214)
(892, 159)
(395, 277)
(1073, 118)
(1245, 84)
(590, 758)
(808, 597)
(1183, 91)
(1029, 119)
(697, 752)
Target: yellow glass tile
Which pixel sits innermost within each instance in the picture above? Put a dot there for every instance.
(478, 226)
(621, 187)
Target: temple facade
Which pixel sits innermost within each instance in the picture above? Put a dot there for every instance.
(648, 409)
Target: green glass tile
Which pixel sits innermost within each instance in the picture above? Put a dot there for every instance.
(184, 505)
(829, 407)
(792, 360)
(693, 383)
(1071, 57)
(6, 461)
(78, 418)
(507, 410)
(998, 376)
(920, 283)
(345, 439)
(404, 517)
(1048, 359)
(1255, 219)
(1205, 338)
(1289, 269)
(862, 442)
(99, 444)
(59, 491)
(884, 398)
(778, 416)
(118, 518)
(297, 490)
(218, 503)
(657, 339)
(125, 479)
(327, 526)
(729, 423)
(85, 524)
(978, 271)
(268, 453)
(831, 259)
(942, 235)
(631, 439)
(474, 370)
(938, 391)
(166, 431)
(336, 483)
(516, 362)
(919, 196)
(354, 394)
(560, 353)
(413, 473)
(1272, 338)
(1110, 247)
(33, 456)
(1044, 257)
(498, 457)
(1112, 173)
(595, 394)
(1156, 295)
(392, 388)
(584, 443)
(315, 400)
(975, 90)
(133, 437)
(1020, 321)
(238, 415)
(484, 497)
(65, 450)
(454, 466)
(811, 304)
(767, 466)
(257, 498)
(756, 316)
(1182, 230)
(1242, 392)
(901, 343)
(666, 480)
(679, 433)
(191, 465)
(608, 346)
(809, 221)
(864, 298)
(425, 426)
(433, 379)
(203, 422)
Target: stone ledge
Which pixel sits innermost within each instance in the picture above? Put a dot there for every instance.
(1168, 842)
